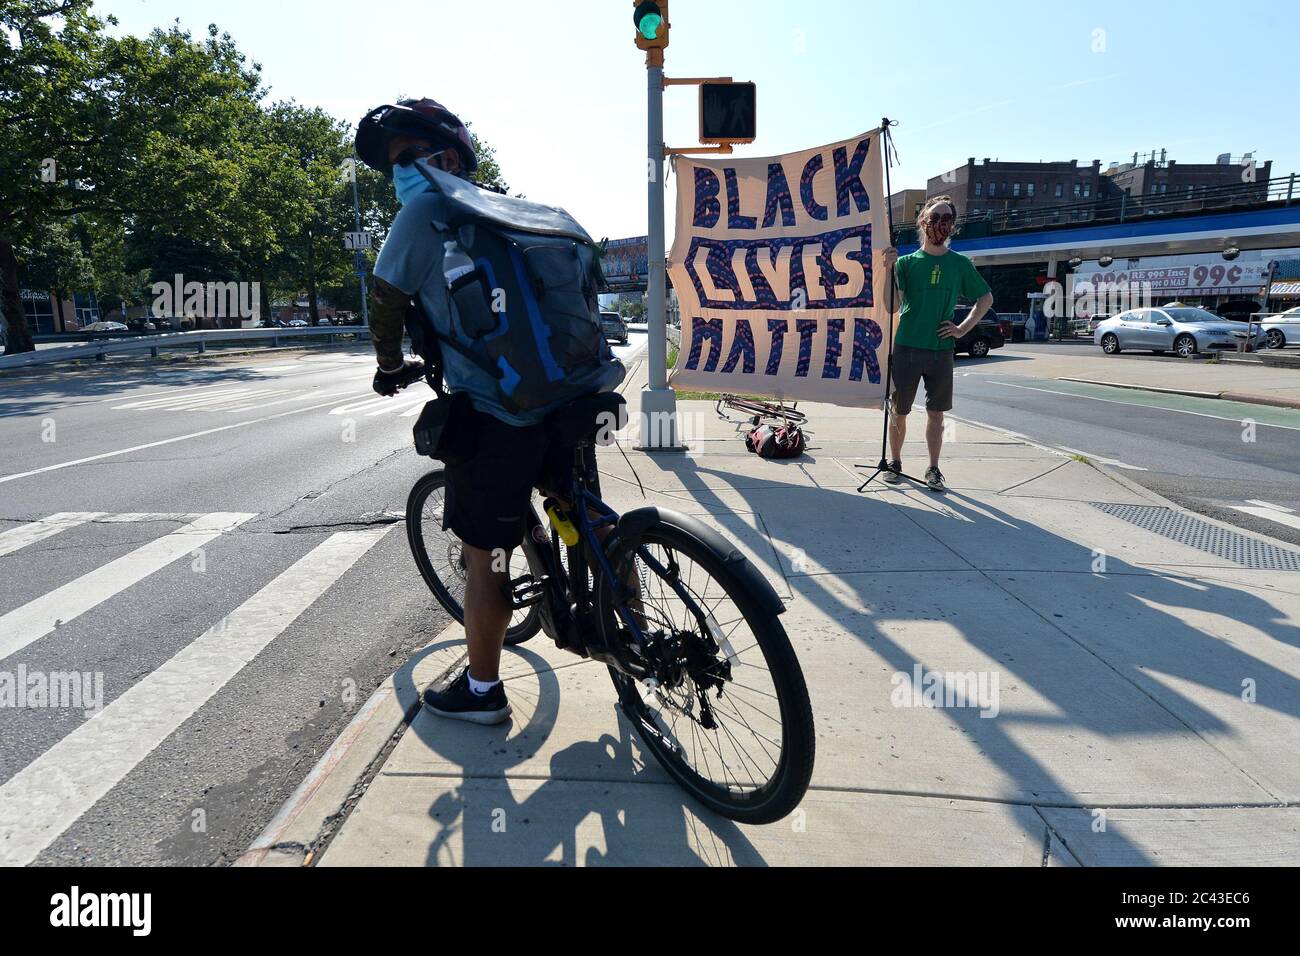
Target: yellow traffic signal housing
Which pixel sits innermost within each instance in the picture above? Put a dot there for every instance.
(651, 19)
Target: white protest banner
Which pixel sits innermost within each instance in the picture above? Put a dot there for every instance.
(783, 293)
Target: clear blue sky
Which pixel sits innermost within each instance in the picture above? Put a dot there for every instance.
(562, 98)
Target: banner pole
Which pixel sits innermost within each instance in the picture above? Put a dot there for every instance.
(885, 405)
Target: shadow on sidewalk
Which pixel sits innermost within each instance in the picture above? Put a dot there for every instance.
(502, 819)
(1143, 634)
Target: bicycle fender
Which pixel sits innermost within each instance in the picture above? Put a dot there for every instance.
(634, 523)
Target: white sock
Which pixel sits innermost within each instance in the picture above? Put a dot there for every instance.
(480, 687)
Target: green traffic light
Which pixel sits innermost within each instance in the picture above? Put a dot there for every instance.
(649, 25)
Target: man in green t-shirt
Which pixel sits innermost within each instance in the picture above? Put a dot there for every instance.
(930, 281)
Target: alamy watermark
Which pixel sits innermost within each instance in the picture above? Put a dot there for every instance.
(1086, 297)
(212, 300)
(63, 690)
(946, 690)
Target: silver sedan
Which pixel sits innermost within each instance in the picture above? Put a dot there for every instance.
(1183, 330)
(1282, 330)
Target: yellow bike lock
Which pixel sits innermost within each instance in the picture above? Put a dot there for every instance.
(561, 523)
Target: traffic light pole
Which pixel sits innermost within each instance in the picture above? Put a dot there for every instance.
(356, 214)
(658, 401)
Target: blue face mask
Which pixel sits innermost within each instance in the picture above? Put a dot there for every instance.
(409, 182)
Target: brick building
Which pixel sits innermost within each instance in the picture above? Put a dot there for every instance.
(1169, 178)
(995, 186)
(905, 204)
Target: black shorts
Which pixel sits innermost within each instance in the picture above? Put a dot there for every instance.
(910, 365)
(488, 495)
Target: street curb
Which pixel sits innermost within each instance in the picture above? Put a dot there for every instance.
(1140, 388)
(1254, 399)
(1249, 398)
(287, 839)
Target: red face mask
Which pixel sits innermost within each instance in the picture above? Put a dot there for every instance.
(938, 232)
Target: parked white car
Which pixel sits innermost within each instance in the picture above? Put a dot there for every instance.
(106, 327)
(1283, 329)
(1184, 330)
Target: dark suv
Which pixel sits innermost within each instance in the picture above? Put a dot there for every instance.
(614, 327)
(991, 333)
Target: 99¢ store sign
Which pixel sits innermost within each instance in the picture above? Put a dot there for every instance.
(1200, 278)
(782, 290)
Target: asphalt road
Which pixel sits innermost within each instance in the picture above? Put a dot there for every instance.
(216, 547)
(1212, 456)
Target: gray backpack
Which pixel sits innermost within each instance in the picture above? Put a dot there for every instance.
(526, 312)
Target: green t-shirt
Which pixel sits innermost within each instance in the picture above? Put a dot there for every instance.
(931, 286)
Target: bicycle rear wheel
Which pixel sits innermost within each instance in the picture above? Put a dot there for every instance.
(730, 718)
(439, 554)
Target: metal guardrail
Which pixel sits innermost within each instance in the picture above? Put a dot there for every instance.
(198, 340)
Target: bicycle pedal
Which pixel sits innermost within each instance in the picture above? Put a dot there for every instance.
(525, 591)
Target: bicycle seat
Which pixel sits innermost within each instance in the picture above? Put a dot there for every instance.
(579, 420)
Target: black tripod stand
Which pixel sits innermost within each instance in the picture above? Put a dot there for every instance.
(887, 144)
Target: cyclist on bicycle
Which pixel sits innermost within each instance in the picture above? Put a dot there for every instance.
(487, 496)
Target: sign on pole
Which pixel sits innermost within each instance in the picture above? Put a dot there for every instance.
(356, 240)
(777, 266)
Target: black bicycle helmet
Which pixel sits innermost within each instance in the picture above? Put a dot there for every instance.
(425, 118)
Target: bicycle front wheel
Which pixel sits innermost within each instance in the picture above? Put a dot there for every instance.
(728, 715)
(440, 556)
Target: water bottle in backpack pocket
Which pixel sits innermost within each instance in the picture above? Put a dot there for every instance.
(468, 291)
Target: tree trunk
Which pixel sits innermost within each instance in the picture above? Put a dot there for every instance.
(58, 298)
(18, 335)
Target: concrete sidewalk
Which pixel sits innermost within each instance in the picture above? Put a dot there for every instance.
(1147, 708)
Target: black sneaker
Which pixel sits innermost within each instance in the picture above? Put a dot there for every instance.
(457, 701)
(934, 479)
(894, 473)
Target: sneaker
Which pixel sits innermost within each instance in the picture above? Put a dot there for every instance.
(894, 473)
(458, 702)
(934, 479)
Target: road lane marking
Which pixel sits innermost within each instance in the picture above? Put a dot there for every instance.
(1269, 504)
(52, 792)
(161, 442)
(40, 617)
(1236, 420)
(20, 537)
(1271, 513)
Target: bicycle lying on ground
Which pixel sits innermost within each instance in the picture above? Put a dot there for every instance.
(688, 628)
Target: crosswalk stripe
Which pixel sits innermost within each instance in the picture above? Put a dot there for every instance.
(51, 793)
(221, 402)
(304, 396)
(168, 392)
(38, 618)
(23, 535)
(357, 406)
(406, 409)
(171, 398)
